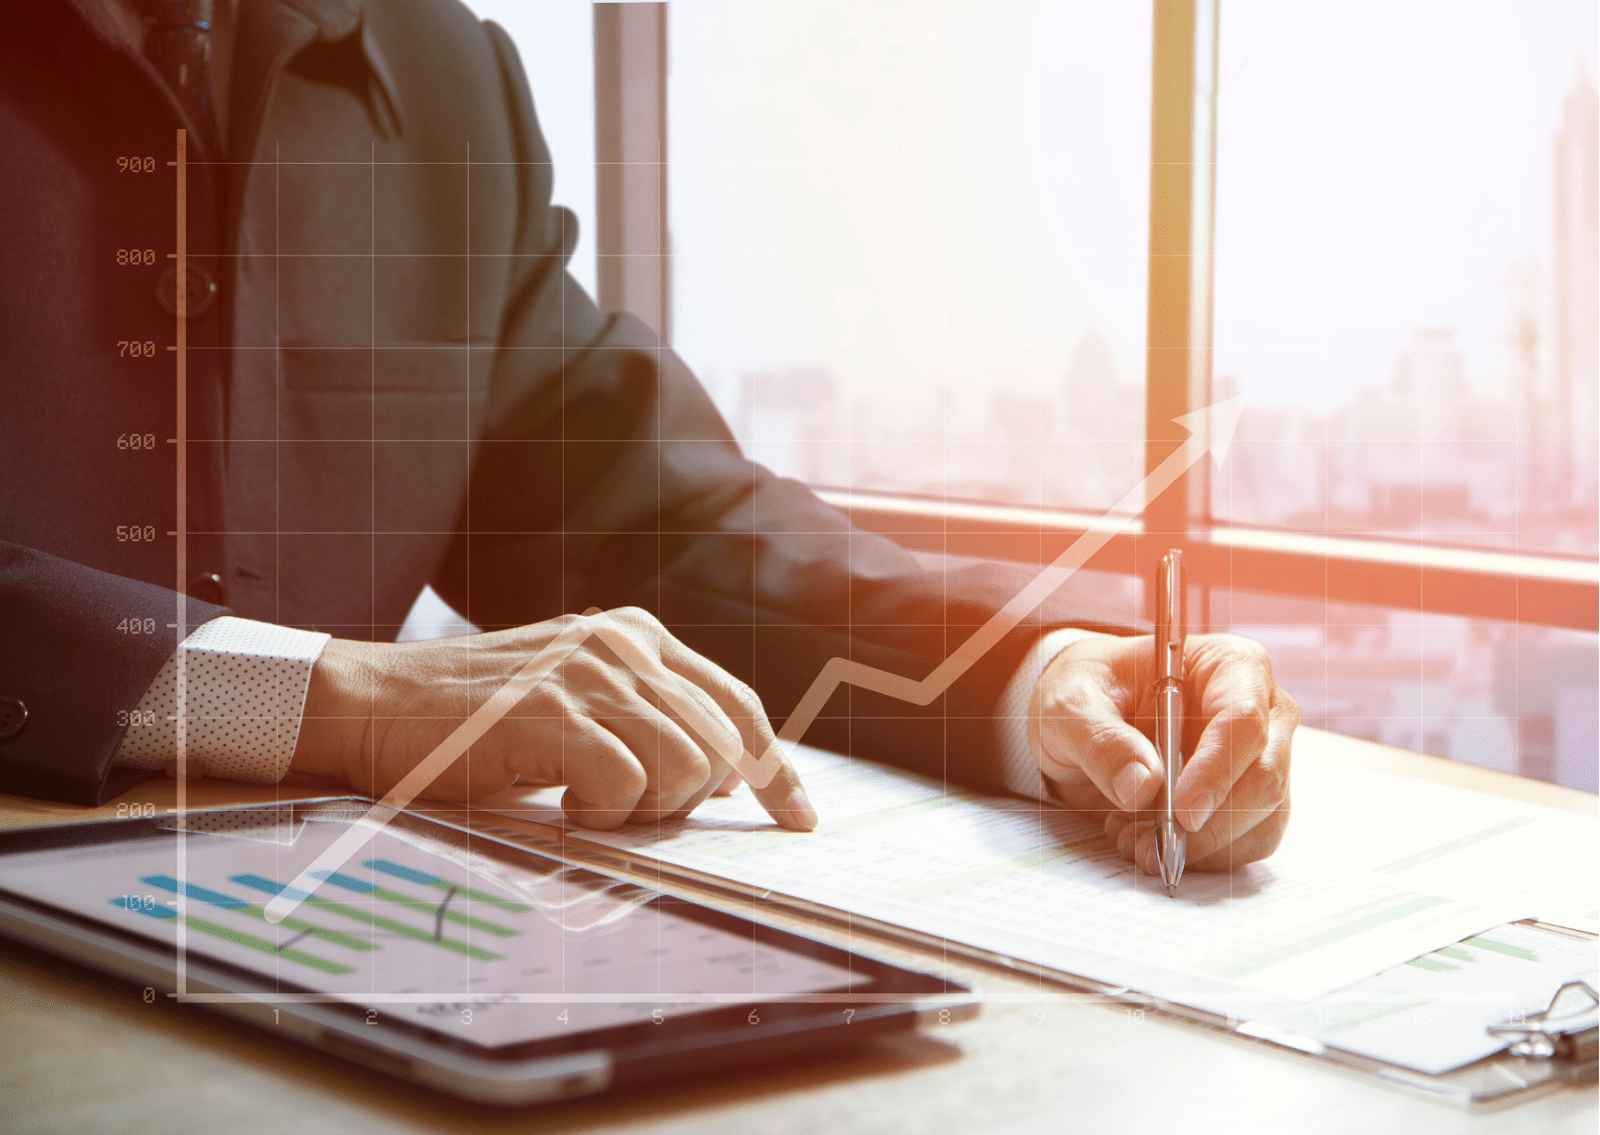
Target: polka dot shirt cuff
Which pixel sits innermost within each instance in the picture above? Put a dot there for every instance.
(1019, 771)
(245, 693)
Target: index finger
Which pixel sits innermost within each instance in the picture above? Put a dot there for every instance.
(708, 700)
(780, 794)
(1234, 687)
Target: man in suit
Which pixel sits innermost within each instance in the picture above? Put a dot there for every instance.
(391, 381)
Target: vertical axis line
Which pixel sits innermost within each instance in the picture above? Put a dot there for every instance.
(372, 446)
(277, 383)
(468, 431)
(372, 469)
(180, 706)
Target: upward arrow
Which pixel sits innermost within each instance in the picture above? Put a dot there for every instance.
(1210, 431)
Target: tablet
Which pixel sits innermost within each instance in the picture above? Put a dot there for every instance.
(443, 957)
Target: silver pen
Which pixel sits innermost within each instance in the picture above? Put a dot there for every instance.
(1171, 840)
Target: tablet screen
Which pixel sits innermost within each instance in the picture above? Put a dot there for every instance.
(417, 922)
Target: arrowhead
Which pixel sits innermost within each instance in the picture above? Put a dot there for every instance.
(1216, 424)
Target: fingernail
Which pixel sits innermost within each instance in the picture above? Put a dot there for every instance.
(1127, 784)
(805, 816)
(1149, 862)
(1200, 811)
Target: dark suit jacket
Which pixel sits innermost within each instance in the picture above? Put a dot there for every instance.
(396, 384)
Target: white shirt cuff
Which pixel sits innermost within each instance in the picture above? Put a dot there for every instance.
(245, 692)
(1019, 768)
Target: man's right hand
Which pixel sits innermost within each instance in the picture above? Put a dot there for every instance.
(376, 710)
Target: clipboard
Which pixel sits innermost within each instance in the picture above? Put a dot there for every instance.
(1542, 1052)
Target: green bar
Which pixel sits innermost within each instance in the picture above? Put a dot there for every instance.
(488, 900)
(389, 924)
(1325, 937)
(241, 938)
(1458, 954)
(1432, 966)
(298, 925)
(432, 910)
(1505, 948)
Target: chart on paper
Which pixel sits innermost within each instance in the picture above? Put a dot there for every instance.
(1432, 1013)
(1044, 885)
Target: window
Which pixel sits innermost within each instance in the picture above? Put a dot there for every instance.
(1405, 291)
(1406, 269)
(908, 240)
(1520, 699)
(952, 264)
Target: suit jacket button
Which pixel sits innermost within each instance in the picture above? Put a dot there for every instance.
(207, 587)
(13, 716)
(202, 290)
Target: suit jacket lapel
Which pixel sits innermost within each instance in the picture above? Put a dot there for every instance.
(268, 34)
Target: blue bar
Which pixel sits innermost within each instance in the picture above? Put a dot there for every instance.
(345, 881)
(157, 912)
(193, 891)
(257, 883)
(405, 873)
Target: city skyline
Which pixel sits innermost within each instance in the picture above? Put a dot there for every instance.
(1436, 451)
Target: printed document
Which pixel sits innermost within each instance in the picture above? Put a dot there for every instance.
(1043, 885)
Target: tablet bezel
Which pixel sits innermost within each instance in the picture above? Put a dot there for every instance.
(894, 999)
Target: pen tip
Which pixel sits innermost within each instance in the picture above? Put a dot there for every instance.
(1172, 889)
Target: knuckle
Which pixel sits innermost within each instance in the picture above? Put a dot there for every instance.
(1289, 707)
(1103, 746)
(626, 780)
(746, 696)
(751, 712)
(684, 775)
(1058, 699)
(1248, 724)
(1247, 652)
(637, 618)
(588, 668)
(1272, 778)
(552, 700)
(1241, 645)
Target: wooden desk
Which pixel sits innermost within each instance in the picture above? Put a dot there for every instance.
(81, 1054)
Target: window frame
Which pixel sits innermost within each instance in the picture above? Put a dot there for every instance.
(1531, 589)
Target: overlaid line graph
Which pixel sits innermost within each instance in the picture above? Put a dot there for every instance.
(1210, 431)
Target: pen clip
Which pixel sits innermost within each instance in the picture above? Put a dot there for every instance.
(1171, 617)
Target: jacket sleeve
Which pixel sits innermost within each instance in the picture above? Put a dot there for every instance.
(74, 673)
(606, 477)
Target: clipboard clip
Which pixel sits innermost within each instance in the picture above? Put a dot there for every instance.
(1564, 1031)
